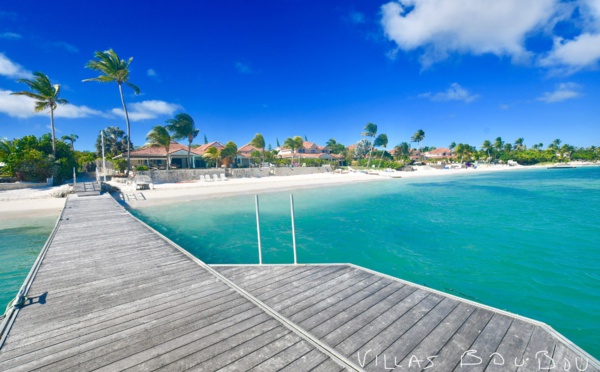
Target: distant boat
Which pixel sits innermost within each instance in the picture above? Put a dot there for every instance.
(565, 166)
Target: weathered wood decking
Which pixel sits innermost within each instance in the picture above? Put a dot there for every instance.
(88, 188)
(116, 296)
(112, 294)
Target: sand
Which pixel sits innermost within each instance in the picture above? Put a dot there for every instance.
(195, 190)
(32, 202)
(38, 202)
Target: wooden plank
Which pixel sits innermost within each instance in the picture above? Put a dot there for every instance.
(289, 288)
(538, 352)
(348, 325)
(403, 345)
(437, 338)
(224, 360)
(317, 294)
(316, 315)
(352, 312)
(449, 356)
(512, 347)
(353, 343)
(308, 294)
(486, 344)
(306, 362)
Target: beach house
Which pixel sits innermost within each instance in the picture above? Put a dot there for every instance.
(177, 156)
(309, 150)
(439, 154)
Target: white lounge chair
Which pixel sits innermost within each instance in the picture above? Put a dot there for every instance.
(215, 177)
(207, 178)
(222, 177)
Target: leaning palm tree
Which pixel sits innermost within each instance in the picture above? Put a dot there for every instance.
(71, 138)
(381, 141)
(159, 137)
(487, 147)
(520, 144)
(183, 127)
(370, 130)
(213, 153)
(46, 96)
(293, 144)
(114, 69)
(418, 137)
(258, 142)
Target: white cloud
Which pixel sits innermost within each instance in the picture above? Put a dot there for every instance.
(10, 36)
(441, 27)
(16, 106)
(562, 92)
(147, 110)
(242, 68)
(151, 72)
(573, 55)
(454, 93)
(11, 69)
(22, 107)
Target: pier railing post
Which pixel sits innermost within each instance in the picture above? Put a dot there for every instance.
(258, 230)
(293, 229)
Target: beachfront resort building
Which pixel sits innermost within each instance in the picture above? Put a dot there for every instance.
(309, 150)
(439, 154)
(156, 157)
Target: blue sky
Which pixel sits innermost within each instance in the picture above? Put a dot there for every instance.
(462, 71)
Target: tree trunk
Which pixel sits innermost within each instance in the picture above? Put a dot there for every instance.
(189, 157)
(380, 159)
(53, 134)
(129, 134)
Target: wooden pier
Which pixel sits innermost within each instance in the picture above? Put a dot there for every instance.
(109, 293)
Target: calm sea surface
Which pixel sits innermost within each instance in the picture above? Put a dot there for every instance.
(524, 241)
(20, 242)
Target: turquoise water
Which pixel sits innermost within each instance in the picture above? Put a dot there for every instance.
(21, 241)
(524, 241)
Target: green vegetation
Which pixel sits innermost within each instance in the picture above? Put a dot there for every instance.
(46, 96)
(183, 127)
(370, 130)
(159, 137)
(31, 159)
(114, 69)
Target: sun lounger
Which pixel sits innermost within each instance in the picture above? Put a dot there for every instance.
(215, 177)
(222, 177)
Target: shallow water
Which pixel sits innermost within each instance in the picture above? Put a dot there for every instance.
(21, 241)
(523, 241)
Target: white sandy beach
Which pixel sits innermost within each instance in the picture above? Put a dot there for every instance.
(38, 202)
(32, 202)
(177, 192)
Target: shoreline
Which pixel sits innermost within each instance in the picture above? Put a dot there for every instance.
(42, 202)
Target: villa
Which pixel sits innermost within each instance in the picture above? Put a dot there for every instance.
(157, 157)
(309, 150)
(439, 154)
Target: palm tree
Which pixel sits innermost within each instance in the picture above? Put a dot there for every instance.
(520, 144)
(402, 150)
(418, 137)
(114, 69)
(555, 145)
(381, 141)
(71, 138)
(183, 127)
(159, 137)
(259, 143)
(46, 96)
(487, 147)
(538, 146)
(213, 153)
(229, 152)
(370, 130)
(293, 144)
(452, 145)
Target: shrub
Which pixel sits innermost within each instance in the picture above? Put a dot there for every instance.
(141, 168)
